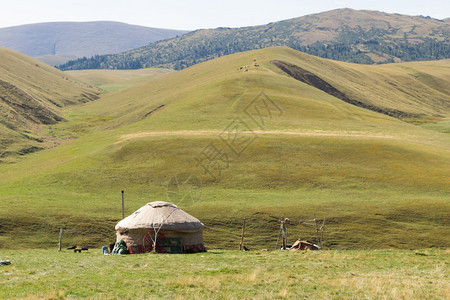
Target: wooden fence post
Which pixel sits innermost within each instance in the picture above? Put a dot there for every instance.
(321, 233)
(317, 230)
(123, 205)
(241, 246)
(284, 233)
(61, 231)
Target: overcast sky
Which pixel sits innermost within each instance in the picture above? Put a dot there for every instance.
(196, 14)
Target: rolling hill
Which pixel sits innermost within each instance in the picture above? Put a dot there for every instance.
(32, 95)
(347, 35)
(266, 134)
(57, 42)
(115, 80)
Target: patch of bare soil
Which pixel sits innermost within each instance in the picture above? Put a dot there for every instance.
(318, 133)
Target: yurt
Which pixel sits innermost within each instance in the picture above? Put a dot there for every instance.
(162, 227)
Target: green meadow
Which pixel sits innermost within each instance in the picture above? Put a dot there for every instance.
(380, 182)
(116, 80)
(221, 274)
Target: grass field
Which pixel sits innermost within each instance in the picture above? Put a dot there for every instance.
(83, 195)
(380, 182)
(117, 80)
(219, 274)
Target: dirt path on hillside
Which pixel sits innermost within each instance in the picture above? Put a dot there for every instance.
(319, 133)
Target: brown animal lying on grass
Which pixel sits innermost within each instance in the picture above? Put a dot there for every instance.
(304, 245)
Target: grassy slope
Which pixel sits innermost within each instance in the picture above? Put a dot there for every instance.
(33, 94)
(398, 274)
(116, 80)
(380, 182)
(55, 60)
(418, 88)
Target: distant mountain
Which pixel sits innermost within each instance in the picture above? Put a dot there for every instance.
(57, 42)
(343, 34)
(33, 94)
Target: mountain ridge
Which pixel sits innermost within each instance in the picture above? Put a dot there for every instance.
(56, 41)
(344, 34)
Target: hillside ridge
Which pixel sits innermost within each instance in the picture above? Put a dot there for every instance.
(368, 37)
(307, 77)
(33, 94)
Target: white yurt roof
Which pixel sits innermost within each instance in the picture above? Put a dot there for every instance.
(160, 213)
